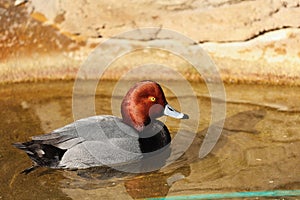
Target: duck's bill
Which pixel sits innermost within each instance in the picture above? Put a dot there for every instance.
(169, 111)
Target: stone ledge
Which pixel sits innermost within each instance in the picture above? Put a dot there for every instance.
(249, 45)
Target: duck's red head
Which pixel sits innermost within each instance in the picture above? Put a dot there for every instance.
(146, 101)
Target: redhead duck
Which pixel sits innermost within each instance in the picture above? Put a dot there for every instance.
(106, 140)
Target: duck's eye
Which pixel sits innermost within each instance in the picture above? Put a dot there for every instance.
(152, 99)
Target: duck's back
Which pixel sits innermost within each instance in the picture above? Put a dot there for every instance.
(93, 141)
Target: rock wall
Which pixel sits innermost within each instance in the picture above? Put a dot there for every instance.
(252, 41)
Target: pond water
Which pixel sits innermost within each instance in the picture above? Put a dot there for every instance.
(259, 148)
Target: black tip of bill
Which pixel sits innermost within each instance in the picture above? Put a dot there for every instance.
(185, 116)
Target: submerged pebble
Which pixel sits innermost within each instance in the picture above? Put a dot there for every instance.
(25, 105)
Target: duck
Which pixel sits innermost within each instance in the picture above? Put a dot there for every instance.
(106, 140)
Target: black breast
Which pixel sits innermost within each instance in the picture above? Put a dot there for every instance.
(154, 137)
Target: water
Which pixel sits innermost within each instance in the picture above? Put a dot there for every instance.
(259, 148)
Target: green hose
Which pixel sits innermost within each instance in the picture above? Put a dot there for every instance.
(272, 193)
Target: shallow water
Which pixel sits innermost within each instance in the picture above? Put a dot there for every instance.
(259, 148)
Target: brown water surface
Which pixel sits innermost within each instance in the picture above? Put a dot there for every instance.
(259, 148)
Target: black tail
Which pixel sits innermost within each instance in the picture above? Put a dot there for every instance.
(41, 154)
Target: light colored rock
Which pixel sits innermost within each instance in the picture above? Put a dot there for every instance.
(250, 41)
(272, 57)
(218, 21)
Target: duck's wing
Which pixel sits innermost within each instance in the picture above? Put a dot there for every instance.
(104, 128)
(93, 141)
(99, 153)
